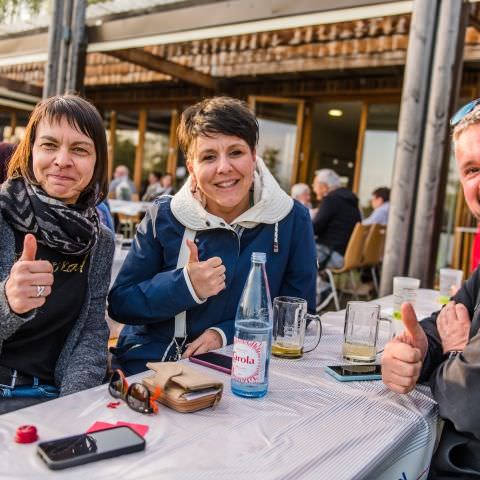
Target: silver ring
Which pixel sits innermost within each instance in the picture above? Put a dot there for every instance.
(40, 290)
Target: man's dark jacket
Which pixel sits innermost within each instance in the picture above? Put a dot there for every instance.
(336, 217)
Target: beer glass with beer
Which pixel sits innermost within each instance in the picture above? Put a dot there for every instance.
(362, 320)
(289, 324)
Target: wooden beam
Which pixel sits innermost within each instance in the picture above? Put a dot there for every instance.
(158, 64)
(75, 81)
(111, 143)
(173, 145)
(306, 143)
(54, 41)
(21, 87)
(298, 143)
(360, 143)
(142, 127)
(13, 123)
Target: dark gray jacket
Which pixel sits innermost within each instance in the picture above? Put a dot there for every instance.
(83, 361)
(455, 382)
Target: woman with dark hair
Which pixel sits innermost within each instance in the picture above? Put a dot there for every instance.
(56, 256)
(181, 282)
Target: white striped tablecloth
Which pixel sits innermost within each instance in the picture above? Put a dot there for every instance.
(309, 426)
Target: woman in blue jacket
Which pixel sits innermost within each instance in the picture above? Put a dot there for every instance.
(179, 287)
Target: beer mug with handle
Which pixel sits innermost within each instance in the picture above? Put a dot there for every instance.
(362, 320)
(289, 324)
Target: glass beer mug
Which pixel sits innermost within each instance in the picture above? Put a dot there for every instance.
(289, 324)
(362, 322)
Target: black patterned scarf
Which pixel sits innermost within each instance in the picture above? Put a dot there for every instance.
(68, 229)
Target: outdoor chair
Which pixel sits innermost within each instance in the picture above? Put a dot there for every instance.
(373, 250)
(127, 224)
(353, 260)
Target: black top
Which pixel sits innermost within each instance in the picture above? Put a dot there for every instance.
(34, 348)
(336, 217)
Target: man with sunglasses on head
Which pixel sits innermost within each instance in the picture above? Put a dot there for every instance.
(444, 349)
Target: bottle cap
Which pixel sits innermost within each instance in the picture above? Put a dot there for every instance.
(260, 257)
(26, 434)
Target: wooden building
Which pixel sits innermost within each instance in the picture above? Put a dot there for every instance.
(325, 81)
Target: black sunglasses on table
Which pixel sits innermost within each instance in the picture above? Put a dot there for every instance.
(137, 396)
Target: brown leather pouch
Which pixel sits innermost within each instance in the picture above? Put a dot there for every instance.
(184, 388)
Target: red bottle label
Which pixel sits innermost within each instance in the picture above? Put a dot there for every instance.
(248, 364)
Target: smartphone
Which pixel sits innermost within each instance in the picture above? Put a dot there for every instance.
(89, 447)
(214, 360)
(353, 373)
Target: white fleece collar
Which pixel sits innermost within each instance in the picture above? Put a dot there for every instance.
(271, 204)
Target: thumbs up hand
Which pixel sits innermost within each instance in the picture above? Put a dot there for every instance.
(403, 356)
(30, 280)
(208, 277)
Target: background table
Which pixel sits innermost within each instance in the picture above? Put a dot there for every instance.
(309, 426)
(128, 207)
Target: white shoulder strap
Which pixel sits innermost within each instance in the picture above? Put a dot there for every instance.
(181, 318)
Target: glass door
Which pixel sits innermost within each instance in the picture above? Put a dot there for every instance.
(281, 127)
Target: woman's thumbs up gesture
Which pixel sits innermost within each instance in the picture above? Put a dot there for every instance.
(30, 280)
(208, 277)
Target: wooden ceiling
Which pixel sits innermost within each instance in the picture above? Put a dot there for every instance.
(263, 62)
(360, 44)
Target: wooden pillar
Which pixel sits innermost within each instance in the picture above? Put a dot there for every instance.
(142, 127)
(65, 39)
(360, 144)
(78, 49)
(173, 145)
(13, 123)
(54, 38)
(112, 137)
(298, 155)
(408, 151)
(444, 88)
(306, 144)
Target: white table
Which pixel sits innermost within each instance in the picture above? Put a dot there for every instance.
(128, 207)
(309, 426)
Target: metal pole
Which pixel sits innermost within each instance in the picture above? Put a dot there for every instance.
(446, 72)
(78, 49)
(64, 46)
(409, 143)
(54, 36)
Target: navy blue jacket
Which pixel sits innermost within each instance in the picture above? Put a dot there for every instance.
(149, 290)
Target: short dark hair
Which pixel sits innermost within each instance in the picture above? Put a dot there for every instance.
(217, 115)
(80, 115)
(383, 193)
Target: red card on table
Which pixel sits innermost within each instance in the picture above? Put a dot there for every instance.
(137, 427)
(99, 426)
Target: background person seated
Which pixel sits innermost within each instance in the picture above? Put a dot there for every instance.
(335, 219)
(167, 184)
(154, 188)
(232, 206)
(381, 204)
(121, 187)
(301, 193)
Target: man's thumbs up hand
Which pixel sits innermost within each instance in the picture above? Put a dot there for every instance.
(414, 333)
(208, 277)
(403, 356)
(30, 280)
